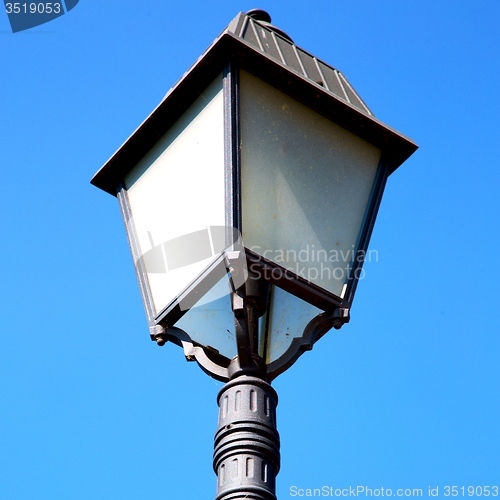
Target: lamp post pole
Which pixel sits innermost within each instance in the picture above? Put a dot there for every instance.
(246, 447)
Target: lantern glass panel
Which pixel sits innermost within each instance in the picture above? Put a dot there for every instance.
(285, 319)
(306, 183)
(211, 321)
(175, 192)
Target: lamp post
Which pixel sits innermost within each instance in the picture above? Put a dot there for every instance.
(249, 196)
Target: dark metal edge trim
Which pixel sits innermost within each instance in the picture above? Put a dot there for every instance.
(211, 365)
(133, 242)
(315, 329)
(367, 226)
(231, 151)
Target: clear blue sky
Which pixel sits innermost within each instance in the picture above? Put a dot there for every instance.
(405, 396)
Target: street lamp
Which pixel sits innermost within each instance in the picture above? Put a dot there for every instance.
(249, 196)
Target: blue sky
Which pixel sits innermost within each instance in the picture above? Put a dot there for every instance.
(405, 396)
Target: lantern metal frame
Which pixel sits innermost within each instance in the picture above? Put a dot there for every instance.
(229, 53)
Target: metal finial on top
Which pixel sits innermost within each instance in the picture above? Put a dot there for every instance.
(259, 15)
(264, 18)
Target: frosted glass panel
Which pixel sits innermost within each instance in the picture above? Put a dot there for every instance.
(285, 320)
(306, 183)
(176, 191)
(212, 323)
